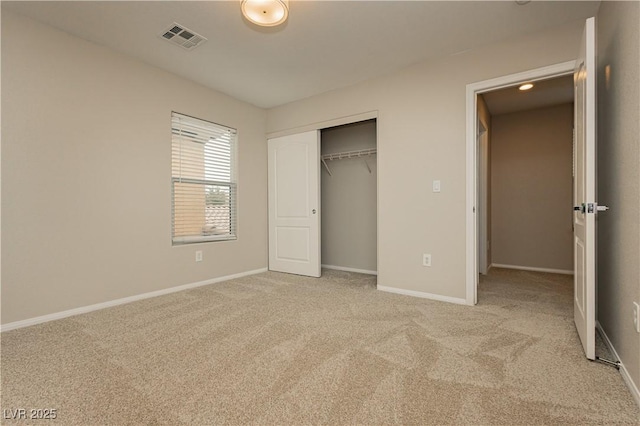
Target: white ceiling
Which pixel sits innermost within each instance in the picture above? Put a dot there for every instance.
(324, 45)
(544, 93)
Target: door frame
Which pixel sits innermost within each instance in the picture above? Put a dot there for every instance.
(471, 216)
(483, 198)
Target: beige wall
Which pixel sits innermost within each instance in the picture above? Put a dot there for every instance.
(619, 177)
(421, 137)
(86, 175)
(531, 182)
(349, 199)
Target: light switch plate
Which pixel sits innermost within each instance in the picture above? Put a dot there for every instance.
(436, 186)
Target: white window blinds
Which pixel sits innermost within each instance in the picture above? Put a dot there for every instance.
(203, 182)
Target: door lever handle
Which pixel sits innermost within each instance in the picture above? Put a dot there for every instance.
(598, 208)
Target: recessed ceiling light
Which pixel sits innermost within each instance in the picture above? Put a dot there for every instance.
(526, 86)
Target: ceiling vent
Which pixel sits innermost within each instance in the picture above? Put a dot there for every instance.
(183, 37)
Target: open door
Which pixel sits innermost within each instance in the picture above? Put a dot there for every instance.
(584, 191)
(294, 204)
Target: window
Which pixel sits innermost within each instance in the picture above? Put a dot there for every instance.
(203, 183)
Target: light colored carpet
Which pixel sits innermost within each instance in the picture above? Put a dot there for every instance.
(281, 349)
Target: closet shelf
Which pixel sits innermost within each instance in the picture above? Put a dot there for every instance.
(348, 154)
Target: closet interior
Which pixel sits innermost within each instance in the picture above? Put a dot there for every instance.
(349, 197)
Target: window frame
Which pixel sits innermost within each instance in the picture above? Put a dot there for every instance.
(232, 184)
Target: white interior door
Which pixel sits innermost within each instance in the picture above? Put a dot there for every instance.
(294, 204)
(584, 191)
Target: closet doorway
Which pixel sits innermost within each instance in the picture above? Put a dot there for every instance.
(348, 184)
(323, 199)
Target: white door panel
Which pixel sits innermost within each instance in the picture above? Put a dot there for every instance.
(584, 191)
(292, 180)
(294, 204)
(294, 243)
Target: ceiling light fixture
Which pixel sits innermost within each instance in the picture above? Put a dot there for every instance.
(266, 13)
(526, 86)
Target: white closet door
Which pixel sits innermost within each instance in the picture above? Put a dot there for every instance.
(294, 204)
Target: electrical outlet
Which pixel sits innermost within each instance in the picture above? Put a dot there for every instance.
(199, 256)
(426, 259)
(636, 316)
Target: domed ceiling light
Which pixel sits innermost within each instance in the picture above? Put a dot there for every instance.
(266, 13)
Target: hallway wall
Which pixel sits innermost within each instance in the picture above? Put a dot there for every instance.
(531, 180)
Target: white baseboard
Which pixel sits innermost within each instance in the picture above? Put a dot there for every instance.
(423, 295)
(344, 268)
(633, 388)
(529, 268)
(124, 300)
